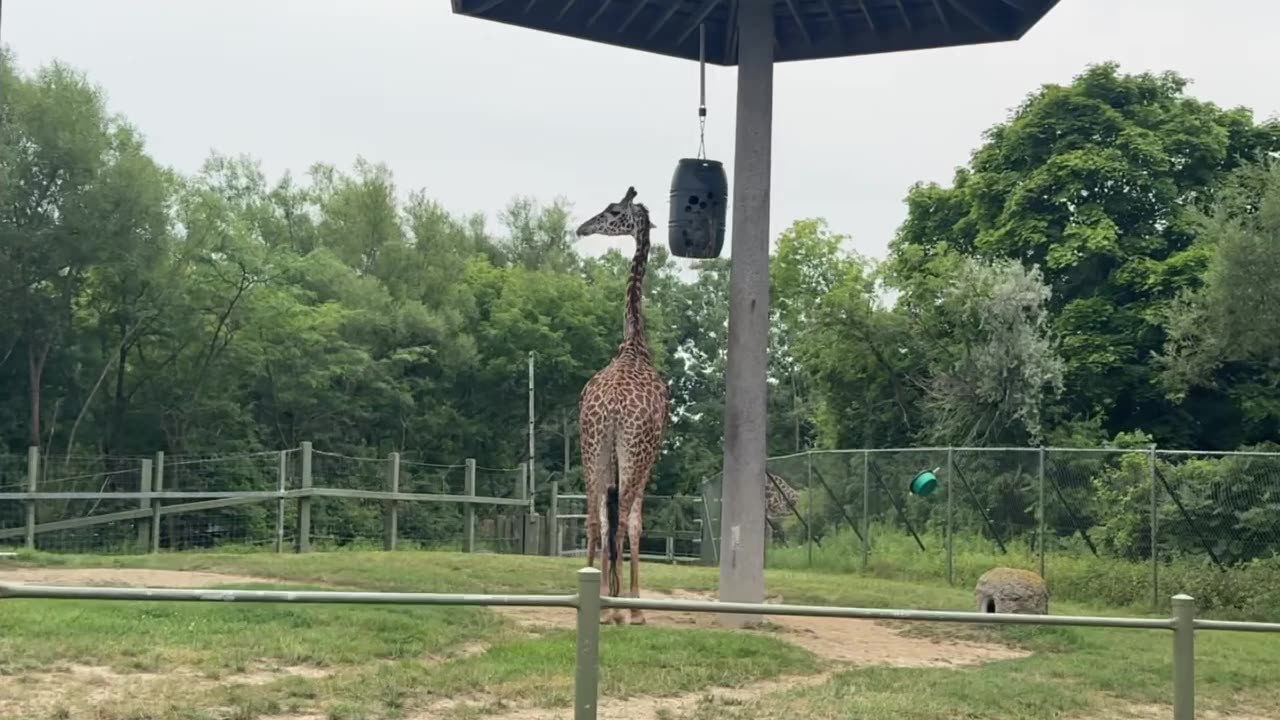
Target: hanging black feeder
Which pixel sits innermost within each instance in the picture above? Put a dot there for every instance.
(699, 204)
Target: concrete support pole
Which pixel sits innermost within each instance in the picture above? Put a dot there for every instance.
(33, 485)
(742, 526)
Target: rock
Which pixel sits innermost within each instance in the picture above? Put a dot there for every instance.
(1010, 590)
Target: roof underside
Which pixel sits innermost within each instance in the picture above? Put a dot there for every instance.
(804, 29)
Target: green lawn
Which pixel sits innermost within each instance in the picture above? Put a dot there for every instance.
(189, 661)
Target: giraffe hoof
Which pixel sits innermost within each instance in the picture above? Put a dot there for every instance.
(637, 617)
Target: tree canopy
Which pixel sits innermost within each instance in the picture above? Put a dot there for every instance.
(1106, 262)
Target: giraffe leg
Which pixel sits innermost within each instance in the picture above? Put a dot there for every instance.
(597, 468)
(606, 566)
(633, 542)
(619, 536)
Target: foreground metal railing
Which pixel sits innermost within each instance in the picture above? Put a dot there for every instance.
(589, 604)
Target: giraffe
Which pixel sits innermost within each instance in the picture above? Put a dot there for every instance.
(779, 500)
(622, 414)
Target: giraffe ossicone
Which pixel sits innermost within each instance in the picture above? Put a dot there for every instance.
(622, 415)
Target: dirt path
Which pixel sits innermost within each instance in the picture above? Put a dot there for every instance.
(123, 577)
(859, 642)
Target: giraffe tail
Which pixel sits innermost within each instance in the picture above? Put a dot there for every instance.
(611, 512)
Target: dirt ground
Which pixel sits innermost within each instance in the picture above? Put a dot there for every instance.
(839, 641)
(859, 642)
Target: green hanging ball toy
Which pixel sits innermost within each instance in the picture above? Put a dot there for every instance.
(923, 484)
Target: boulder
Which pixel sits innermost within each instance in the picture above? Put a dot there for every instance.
(1011, 590)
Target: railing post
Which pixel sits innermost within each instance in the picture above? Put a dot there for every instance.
(950, 521)
(1155, 543)
(157, 485)
(1184, 657)
(393, 485)
(33, 482)
(469, 509)
(586, 682)
(282, 480)
(144, 485)
(866, 507)
(304, 502)
(1040, 515)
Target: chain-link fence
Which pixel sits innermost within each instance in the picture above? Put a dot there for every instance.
(1123, 525)
(672, 527)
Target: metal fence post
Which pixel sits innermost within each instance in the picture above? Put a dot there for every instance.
(586, 679)
(144, 485)
(282, 480)
(469, 510)
(1184, 657)
(304, 502)
(33, 480)
(1155, 524)
(157, 485)
(808, 520)
(553, 519)
(950, 522)
(866, 507)
(1040, 515)
(392, 516)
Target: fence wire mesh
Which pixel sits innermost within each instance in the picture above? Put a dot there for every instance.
(672, 527)
(1128, 524)
(1132, 524)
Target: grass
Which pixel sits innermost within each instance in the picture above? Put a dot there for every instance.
(386, 662)
(1250, 592)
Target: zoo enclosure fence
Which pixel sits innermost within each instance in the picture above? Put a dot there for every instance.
(589, 603)
(290, 499)
(1145, 506)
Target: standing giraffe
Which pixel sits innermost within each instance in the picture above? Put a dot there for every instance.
(622, 413)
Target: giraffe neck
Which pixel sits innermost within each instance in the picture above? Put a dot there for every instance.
(633, 323)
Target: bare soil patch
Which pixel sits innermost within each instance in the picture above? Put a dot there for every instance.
(1149, 711)
(859, 642)
(657, 708)
(135, 577)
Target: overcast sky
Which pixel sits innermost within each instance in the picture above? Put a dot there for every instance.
(475, 112)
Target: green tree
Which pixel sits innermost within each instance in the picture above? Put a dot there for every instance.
(1221, 337)
(1092, 182)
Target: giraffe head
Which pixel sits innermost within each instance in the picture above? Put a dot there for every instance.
(619, 218)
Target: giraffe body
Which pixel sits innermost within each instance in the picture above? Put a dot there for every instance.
(622, 415)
